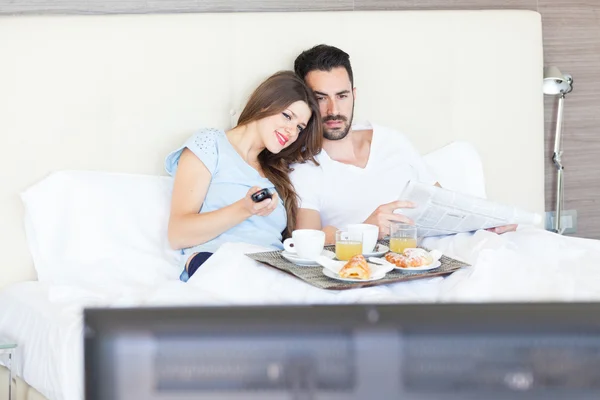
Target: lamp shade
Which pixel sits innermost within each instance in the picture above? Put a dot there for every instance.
(555, 82)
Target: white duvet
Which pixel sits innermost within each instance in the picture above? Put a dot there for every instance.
(528, 265)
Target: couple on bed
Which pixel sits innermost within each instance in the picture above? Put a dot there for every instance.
(294, 137)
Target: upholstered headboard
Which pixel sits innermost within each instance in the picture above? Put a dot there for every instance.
(116, 93)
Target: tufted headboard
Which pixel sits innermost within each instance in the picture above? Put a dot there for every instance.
(116, 92)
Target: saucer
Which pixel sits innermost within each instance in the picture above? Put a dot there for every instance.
(379, 251)
(303, 262)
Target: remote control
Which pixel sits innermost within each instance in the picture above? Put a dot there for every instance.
(261, 195)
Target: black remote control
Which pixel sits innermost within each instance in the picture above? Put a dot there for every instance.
(261, 195)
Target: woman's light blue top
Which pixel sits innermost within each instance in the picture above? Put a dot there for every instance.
(231, 179)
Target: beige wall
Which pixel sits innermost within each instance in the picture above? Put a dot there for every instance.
(571, 40)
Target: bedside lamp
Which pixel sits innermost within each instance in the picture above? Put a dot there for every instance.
(557, 84)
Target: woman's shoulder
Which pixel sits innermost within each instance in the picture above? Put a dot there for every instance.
(207, 136)
(204, 143)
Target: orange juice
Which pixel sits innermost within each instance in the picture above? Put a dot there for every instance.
(345, 250)
(398, 244)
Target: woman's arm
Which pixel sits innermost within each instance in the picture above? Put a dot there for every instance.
(187, 228)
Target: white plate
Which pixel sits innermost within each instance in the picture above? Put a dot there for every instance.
(434, 265)
(293, 258)
(333, 275)
(332, 266)
(380, 250)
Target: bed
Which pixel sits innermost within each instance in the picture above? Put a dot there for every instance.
(90, 106)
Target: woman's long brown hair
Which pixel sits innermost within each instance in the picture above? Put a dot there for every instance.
(271, 97)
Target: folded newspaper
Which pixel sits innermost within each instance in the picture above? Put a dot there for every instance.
(444, 212)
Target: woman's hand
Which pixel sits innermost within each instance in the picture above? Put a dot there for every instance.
(262, 209)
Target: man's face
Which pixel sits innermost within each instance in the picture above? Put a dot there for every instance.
(335, 95)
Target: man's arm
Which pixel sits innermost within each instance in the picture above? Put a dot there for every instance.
(311, 219)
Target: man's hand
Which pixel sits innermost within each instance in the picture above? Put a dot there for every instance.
(384, 215)
(503, 229)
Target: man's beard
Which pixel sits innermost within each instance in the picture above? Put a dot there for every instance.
(340, 133)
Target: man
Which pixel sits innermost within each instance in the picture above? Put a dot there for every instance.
(363, 167)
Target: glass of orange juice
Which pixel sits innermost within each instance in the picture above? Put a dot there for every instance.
(348, 244)
(402, 236)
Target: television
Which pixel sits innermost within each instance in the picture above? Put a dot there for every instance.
(405, 351)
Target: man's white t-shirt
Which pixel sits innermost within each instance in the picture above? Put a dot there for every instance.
(344, 194)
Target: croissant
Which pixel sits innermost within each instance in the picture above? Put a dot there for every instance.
(412, 257)
(356, 268)
(399, 260)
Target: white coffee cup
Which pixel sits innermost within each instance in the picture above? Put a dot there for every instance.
(308, 244)
(370, 235)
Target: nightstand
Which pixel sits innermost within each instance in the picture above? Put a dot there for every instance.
(7, 347)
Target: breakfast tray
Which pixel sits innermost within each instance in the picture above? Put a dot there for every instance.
(315, 277)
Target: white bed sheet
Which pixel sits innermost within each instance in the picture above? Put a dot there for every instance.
(527, 265)
(48, 336)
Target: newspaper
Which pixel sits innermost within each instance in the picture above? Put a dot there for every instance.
(443, 212)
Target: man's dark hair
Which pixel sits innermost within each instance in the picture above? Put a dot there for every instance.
(322, 58)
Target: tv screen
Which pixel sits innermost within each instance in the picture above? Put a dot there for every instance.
(411, 351)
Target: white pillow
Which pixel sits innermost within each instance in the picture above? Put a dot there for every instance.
(95, 226)
(457, 166)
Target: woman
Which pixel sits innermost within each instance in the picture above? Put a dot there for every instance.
(216, 173)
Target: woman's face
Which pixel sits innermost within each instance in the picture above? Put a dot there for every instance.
(281, 130)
